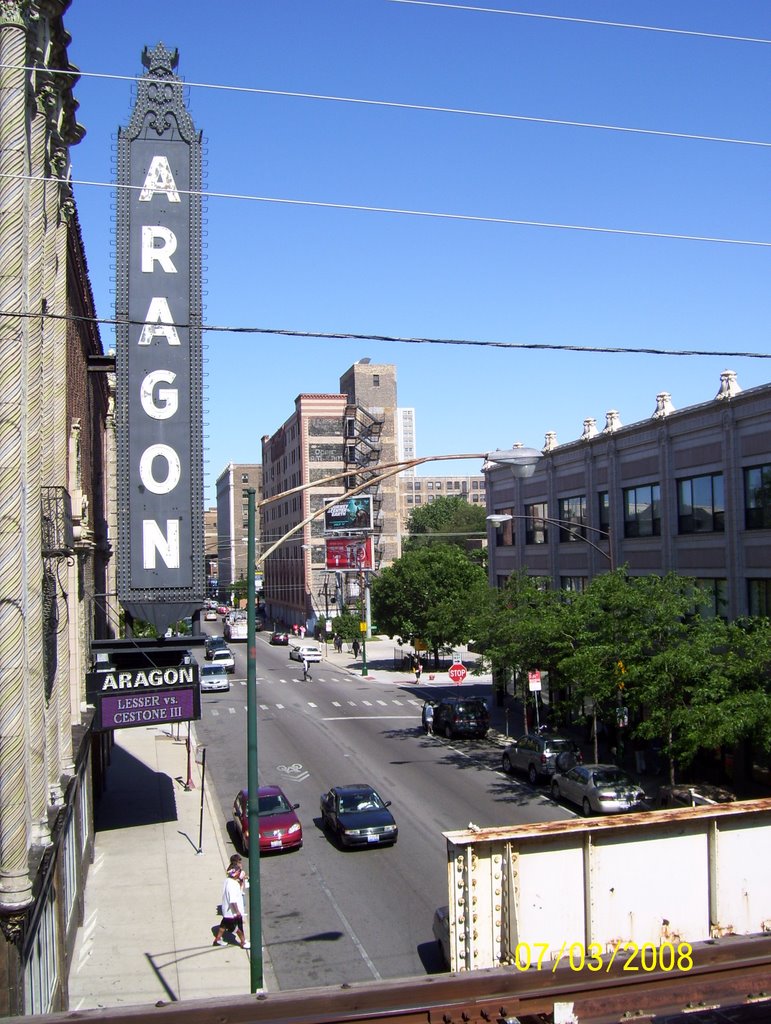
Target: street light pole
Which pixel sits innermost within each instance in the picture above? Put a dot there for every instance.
(504, 517)
(252, 783)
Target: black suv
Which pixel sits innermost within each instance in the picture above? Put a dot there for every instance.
(461, 716)
(540, 755)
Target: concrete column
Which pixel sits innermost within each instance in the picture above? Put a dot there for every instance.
(15, 886)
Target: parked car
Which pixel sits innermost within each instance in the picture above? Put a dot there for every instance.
(694, 794)
(222, 609)
(541, 755)
(279, 639)
(210, 615)
(461, 716)
(214, 678)
(598, 789)
(357, 816)
(223, 657)
(305, 652)
(280, 828)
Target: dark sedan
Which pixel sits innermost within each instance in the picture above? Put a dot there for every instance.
(279, 639)
(280, 828)
(357, 816)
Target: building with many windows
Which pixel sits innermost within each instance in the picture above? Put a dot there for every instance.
(687, 491)
(416, 491)
(233, 521)
(348, 434)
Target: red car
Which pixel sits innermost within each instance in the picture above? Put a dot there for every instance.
(280, 828)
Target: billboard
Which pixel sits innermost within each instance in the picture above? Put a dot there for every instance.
(349, 514)
(349, 553)
(161, 564)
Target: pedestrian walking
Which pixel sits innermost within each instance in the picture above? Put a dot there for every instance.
(418, 668)
(428, 718)
(355, 648)
(306, 670)
(232, 907)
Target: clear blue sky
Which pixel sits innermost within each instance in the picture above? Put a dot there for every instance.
(337, 270)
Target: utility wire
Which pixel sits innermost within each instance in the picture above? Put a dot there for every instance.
(432, 214)
(583, 21)
(429, 108)
(341, 336)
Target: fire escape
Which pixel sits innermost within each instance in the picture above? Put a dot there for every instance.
(361, 457)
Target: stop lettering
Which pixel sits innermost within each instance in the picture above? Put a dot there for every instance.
(457, 673)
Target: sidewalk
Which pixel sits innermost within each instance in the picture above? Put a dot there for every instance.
(150, 896)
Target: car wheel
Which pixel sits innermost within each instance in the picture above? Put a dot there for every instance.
(448, 732)
(555, 791)
(587, 808)
(532, 775)
(507, 765)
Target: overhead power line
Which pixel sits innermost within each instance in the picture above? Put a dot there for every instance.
(346, 336)
(425, 107)
(584, 21)
(431, 214)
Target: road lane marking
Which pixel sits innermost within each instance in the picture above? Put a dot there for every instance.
(382, 703)
(336, 704)
(346, 924)
(311, 704)
(367, 703)
(367, 718)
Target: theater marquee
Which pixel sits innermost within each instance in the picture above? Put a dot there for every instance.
(161, 570)
(151, 695)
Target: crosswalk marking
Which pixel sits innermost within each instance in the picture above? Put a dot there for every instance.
(311, 704)
(382, 703)
(394, 701)
(367, 703)
(336, 704)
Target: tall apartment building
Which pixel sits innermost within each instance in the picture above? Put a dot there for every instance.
(57, 480)
(349, 434)
(417, 491)
(211, 543)
(687, 491)
(405, 438)
(233, 520)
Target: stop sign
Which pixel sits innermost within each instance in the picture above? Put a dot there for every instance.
(457, 673)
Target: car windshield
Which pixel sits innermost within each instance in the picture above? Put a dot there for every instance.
(211, 670)
(273, 803)
(470, 708)
(366, 800)
(611, 777)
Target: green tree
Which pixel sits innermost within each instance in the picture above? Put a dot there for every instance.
(521, 627)
(449, 520)
(428, 594)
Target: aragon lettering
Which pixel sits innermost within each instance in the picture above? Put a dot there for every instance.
(137, 678)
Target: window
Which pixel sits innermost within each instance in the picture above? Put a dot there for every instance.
(418, 500)
(572, 511)
(417, 485)
(504, 532)
(409, 499)
(535, 527)
(757, 498)
(700, 505)
(575, 584)
(438, 485)
(474, 485)
(759, 597)
(244, 478)
(430, 485)
(716, 592)
(642, 512)
(603, 505)
(375, 380)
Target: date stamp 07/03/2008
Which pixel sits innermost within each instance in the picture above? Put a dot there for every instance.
(630, 956)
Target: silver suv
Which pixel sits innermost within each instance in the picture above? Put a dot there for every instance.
(538, 755)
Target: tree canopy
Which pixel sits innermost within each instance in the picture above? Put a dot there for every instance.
(427, 594)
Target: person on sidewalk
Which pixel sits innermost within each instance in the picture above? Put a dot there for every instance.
(418, 668)
(355, 648)
(306, 671)
(233, 905)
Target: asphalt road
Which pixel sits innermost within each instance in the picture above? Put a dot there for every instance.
(329, 915)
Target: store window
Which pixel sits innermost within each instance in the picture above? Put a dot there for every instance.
(536, 531)
(603, 506)
(504, 532)
(642, 511)
(700, 504)
(716, 593)
(757, 498)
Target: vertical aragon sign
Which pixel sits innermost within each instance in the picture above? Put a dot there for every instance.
(158, 390)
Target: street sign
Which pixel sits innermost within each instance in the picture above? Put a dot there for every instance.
(534, 680)
(457, 673)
